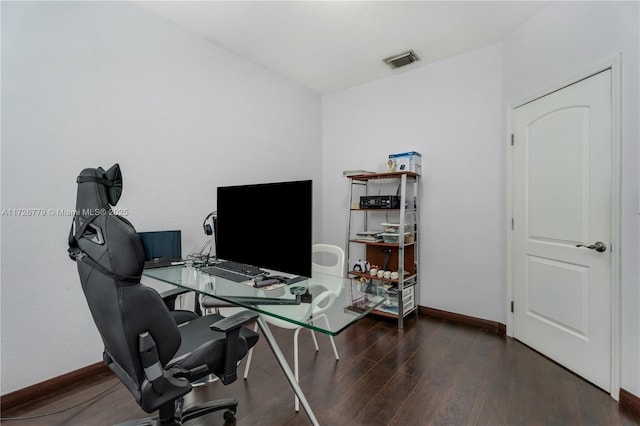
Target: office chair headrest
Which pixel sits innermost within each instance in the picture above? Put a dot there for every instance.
(114, 251)
(110, 179)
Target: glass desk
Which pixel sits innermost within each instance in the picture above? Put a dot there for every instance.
(293, 303)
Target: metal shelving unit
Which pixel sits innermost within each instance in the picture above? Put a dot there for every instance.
(403, 256)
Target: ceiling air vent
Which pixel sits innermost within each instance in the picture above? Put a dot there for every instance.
(397, 61)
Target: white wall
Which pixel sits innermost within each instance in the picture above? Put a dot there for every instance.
(87, 84)
(567, 39)
(455, 113)
(450, 112)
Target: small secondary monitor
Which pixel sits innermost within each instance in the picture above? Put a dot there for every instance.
(161, 244)
(161, 248)
(266, 225)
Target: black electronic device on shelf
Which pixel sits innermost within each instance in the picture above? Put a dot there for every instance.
(266, 225)
(380, 202)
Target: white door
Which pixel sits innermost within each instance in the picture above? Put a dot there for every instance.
(562, 202)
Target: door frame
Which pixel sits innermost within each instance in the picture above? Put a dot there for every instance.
(614, 64)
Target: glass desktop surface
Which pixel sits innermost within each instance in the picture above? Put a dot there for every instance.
(283, 303)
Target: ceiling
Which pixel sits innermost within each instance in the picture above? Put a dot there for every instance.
(333, 45)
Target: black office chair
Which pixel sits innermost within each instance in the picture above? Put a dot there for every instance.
(153, 357)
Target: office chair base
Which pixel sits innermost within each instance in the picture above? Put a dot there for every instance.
(228, 404)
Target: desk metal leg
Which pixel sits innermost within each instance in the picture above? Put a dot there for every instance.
(266, 332)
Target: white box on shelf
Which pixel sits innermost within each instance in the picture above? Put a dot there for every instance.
(394, 228)
(407, 162)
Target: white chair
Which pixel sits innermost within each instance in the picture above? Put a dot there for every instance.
(315, 310)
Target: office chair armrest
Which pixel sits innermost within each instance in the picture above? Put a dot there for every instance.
(231, 327)
(234, 321)
(169, 297)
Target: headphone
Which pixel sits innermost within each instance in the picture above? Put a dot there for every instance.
(208, 230)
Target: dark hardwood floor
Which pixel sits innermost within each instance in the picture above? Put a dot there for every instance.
(432, 373)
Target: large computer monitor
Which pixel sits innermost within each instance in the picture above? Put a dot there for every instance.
(266, 225)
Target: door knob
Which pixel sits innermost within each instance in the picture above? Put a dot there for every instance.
(597, 246)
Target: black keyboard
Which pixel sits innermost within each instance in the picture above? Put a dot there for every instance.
(234, 271)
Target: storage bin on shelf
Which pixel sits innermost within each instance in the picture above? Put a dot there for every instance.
(394, 228)
(390, 238)
(407, 297)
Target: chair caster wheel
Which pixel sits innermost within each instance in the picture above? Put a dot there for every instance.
(229, 416)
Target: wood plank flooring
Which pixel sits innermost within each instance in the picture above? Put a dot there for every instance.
(432, 373)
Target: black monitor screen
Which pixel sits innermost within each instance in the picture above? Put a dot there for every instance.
(266, 225)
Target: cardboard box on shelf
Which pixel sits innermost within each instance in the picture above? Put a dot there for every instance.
(406, 161)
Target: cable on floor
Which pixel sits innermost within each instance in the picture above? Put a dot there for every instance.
(37, 416)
